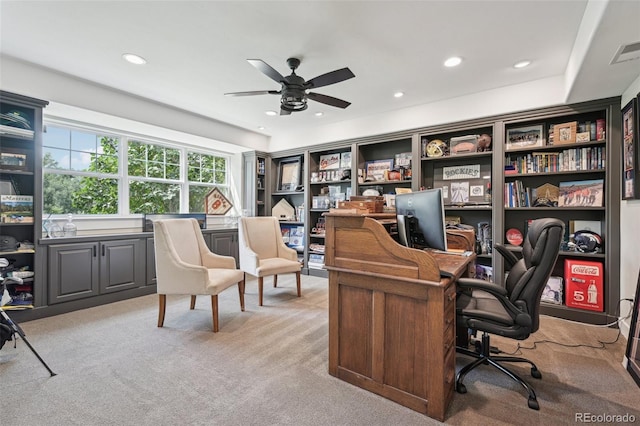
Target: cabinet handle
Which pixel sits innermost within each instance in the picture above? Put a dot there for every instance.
(103, 250)
(94, 251)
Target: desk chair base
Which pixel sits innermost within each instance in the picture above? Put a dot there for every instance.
(485, 357)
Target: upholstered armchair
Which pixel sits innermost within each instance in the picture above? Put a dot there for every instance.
(264, 253)
(185, 265)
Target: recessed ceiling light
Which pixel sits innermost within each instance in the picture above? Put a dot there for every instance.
(271, 113)
(260, 127)
(398, 94)
(522, 64)
(134, 59)
(319, 114)
(454, 61)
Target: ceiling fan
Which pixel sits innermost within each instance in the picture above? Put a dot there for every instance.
(294, 88)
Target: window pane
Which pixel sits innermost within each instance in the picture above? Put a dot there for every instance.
(81, 141)
(106, 164)
(155, 170)
(194, 159)
(57, 138)
(196, 198)
(56, 158)
(173, 171)
(194, 175)
(136, 167)
(64, 194)
(173, 156)
(207, 176)
(221, 178)
(153, 197)
(220, 163)
(81, 161)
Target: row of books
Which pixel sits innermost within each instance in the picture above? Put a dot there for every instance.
(587, 158)
(516, 195)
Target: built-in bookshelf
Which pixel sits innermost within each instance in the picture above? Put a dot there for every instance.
(20, 199)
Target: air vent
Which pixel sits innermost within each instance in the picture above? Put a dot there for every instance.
(627, 52)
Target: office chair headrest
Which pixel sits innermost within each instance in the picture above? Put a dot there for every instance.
(534, 247)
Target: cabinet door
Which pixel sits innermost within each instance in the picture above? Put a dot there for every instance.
(73, 271)
(121, 265)
(225, 244)
(151, 262)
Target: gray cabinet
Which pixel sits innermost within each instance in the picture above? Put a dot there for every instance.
(81, 270)
(224, 243)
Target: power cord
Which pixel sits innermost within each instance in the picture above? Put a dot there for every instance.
(602, 344)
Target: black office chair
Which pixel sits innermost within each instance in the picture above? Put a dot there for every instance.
(513, 310)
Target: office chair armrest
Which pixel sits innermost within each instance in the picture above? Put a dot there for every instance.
(478, 284)
(509, 258)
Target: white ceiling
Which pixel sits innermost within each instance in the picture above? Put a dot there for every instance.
(196, 51)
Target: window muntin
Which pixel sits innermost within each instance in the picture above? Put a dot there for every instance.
(153, 161)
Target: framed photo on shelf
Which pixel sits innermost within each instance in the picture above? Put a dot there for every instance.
(14, 159)
(377, 170)
(524, 137)
(581, 193)
(630, 147)
(289, 173)
(565, 133)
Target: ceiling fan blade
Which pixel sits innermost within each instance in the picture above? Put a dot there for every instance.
(255, 92)
(330, 78)
(329, 100)
(266, 69)
(284, 111)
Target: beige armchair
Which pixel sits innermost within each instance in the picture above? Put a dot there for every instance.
(263, 253)
(185, 265)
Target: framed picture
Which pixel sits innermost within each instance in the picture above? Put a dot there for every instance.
(524, 137)
(14, 159)
(289, 174)
(565, 133)
(330, 161)
(581, 193)
(630, 147)
(216, 203)
(377, 170)
(633, 342)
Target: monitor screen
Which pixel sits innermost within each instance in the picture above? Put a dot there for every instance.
(421, 219)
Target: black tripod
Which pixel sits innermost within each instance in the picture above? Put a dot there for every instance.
(17, 330)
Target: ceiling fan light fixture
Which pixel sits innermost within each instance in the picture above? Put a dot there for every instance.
(453, 61)
(134, 59)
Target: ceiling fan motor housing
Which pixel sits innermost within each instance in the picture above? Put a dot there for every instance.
(294, 95)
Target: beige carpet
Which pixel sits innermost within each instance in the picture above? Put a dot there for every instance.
(268, 366)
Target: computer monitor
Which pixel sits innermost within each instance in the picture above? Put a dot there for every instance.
(421, 220)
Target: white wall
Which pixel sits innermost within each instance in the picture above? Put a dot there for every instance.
(630, 233)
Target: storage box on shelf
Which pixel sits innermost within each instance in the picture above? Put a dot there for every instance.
(20, 193)
(569, 174)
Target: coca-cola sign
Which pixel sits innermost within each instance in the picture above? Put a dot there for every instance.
(585, 270)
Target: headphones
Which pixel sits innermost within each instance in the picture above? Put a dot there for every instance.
(587, 241)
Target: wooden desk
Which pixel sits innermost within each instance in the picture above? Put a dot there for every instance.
(391, 315)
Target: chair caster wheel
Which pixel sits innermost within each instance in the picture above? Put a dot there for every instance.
(460, 388)
(533, 404)
(535, 373)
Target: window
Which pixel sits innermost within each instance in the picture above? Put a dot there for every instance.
(204, 173)
(85, 173)
(81, 172)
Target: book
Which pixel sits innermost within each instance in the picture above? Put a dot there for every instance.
(16, 208)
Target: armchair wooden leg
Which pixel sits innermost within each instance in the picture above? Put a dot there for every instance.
(275, 281)
(162, 304)
(260, 288)
(193, 302)
(241, 291)
(214, 311)
(298, 283)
